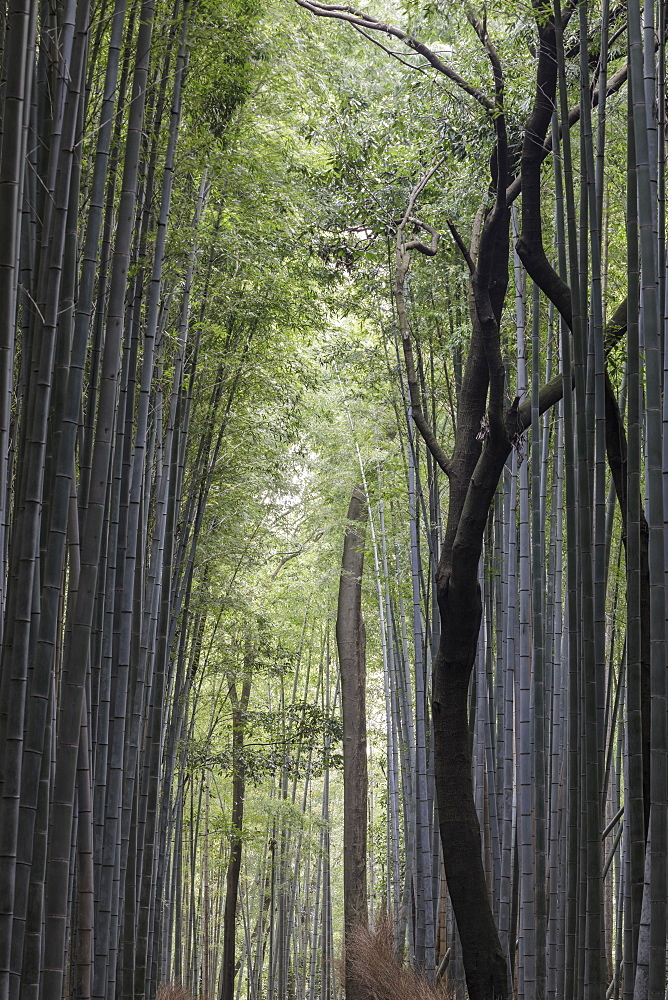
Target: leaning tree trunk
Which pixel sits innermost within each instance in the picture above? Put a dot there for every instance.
(351, 643)
(461, 612)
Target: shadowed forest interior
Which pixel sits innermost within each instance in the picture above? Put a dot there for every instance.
(333, 500)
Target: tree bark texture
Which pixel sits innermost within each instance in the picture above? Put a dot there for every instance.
(351, 644)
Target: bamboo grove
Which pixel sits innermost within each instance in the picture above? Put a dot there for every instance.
(252, 265)
(533, 757)
(112, 430)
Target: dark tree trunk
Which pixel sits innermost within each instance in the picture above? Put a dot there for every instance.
(234, 864)
(617, 460)
(351, 643)
(460, 605)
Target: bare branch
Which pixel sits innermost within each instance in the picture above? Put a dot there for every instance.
(389, 52)
(462, 246)
(285, 559)
(428, 251)
(371, 23)
(416, 192)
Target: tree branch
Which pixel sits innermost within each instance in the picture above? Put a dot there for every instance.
(417, 191)
(428, 251)
(463, 249)
(552, 391)
(285, 559)
(549, 394)
(389, 52)
(373, 24)
(490, 273)
(614, 84)
(499, 111)
(403, 259)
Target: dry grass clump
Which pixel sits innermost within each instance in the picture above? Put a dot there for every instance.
(378, 972)
(170, 991)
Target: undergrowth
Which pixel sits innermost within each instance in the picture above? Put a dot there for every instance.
(380, 974)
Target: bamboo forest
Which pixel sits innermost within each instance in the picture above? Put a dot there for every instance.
(333, 500)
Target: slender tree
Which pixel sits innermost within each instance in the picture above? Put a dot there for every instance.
(351, 645)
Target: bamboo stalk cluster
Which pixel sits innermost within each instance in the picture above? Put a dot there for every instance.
(567, 698)
(101, 504)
